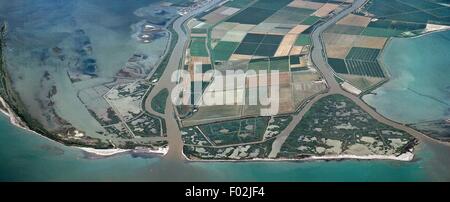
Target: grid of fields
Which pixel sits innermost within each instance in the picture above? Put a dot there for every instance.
(224, 50)
(359, 61)
(266, 28)
(354, 43)
(413, 11)
(364, 54)
(257, 35)
(259, 44)
(364, 68)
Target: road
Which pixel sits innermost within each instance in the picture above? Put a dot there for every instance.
(173, 131)
(317, 57)
(319, 60)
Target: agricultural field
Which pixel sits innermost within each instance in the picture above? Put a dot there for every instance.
(411, 11)
(355, 42)
(336, 126)
(255, 35)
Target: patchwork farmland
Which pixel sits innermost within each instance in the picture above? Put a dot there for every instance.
(354, 44)
(259, 35)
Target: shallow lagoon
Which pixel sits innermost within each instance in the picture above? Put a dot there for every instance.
(419, 88)
(38, 27)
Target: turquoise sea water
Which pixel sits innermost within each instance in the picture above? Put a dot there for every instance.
(28, 157)
(419, 89)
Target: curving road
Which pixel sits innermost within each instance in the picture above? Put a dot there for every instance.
(318, 57)
(173, 131)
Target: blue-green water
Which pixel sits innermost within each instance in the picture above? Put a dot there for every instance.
(28, 157)
(419, 89)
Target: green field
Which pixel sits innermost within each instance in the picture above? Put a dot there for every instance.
(224, 49)
(359, 61)
(253, 38)
(259, 44)
(246, 48)
(259, 64)
(272, 39)
(294, 59)
(303, 40)
(404, 26)
(198, 47)
(364, 68)
(267, 50)
(311, 20)
(238, 3)
(414, 11)
(381, 32)
(346, 29)
(271, 4)
(290, 15)
(199, 31)
(280, 63)
(364, 54)
(338, 65)
(251, 15)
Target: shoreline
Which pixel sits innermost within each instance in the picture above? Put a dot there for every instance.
(103, 153)
(405, 157)
(118, 151)
(112, 152)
